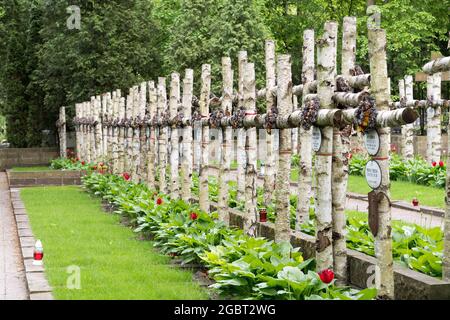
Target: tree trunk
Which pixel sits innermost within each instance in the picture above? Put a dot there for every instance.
(186, 168)
(305, 169)
(249, 92)
(383, 239)
(175, 152)
(326, 73)
(225, 163)
(204, 111)
(282, 187)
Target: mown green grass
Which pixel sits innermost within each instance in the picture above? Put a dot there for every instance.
(31, 169)
(113, 263)
(400, 190)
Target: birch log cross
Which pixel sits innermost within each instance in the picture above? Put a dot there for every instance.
(433, 68)
(326, 73)
(186, 168)
(305, 177)
(174, 154)
(249, 92)
(61, 125)
(269, 175)
(225, 162)
(204, 112)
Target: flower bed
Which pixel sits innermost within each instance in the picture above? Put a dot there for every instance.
(414, 247)
(241, 266)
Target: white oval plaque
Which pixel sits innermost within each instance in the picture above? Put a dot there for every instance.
(372, 142)
(373, 174)
(316, 140)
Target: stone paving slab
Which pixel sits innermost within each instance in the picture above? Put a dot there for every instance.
(13, 285)
(27, 242)
(30, 268)
(37, 282)
(41, 296)
(25, 233)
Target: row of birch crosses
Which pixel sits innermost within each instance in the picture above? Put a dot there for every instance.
(132, 134)
(433, 105)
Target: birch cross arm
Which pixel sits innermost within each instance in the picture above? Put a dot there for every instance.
(438, 65)
(386, 118)
(355, 82)
(329, 117)
(420, 104)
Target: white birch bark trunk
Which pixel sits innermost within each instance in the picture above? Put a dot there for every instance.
(446, 249)
(326, 74)
(152, 111)
(269, 166)
(225, 163)
(434, 118)
(92, 151)
(162, 139)
(129, 135)
(175, 152)
(108, 130)
(340, 163)
(114, 133)
(142, 132)
(408, 151)
(438, 65)
(136, 137)
(282, 188)
(187, 160)
(305, 168)
(62, 133)
(383, 239)
(204, 111)
(78, 132)
(121, 167)
(249, 91)
(104, 129)
(240, 154)
(98, 129)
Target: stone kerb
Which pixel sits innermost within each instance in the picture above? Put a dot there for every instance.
(37, 283)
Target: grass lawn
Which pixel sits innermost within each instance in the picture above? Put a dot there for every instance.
(32, 169)
(400, 190)
(113, 263)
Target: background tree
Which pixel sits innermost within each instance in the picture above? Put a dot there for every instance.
(206, 30)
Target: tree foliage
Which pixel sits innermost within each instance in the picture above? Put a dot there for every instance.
(45, 65)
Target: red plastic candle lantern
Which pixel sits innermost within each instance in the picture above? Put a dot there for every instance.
(415, 202)
(262, 215)
(38, 253)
